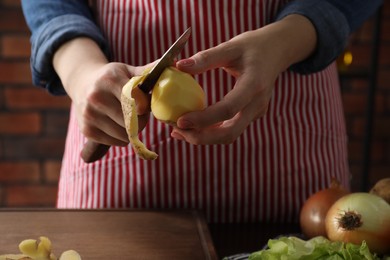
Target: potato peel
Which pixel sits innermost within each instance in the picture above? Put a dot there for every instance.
(31, 249)
(174, 94)
(131, 120)
(14, 257)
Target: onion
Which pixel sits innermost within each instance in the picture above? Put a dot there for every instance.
(382, 189)
(313, 212)
(359, 217)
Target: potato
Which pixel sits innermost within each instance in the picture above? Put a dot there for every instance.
(382, 189)
(33, 250)
(14, 257)
(70, 255)
(174, 94)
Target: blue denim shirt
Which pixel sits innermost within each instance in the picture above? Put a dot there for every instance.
(53, 22)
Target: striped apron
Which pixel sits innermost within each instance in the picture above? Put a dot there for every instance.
(265, 175)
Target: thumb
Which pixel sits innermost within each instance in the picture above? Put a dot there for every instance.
(139, 70)
(209, 59)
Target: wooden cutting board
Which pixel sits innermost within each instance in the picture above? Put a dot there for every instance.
(111, 234)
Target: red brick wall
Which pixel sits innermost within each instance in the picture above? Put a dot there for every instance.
(33, 123)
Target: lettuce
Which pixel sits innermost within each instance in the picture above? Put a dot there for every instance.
(290, 248)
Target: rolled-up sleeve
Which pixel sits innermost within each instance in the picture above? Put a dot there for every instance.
(334, 20)
(52, 23)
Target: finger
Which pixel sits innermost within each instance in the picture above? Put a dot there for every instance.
(95, 119)
(107, 104)
(112, 129)
(143, 121)
(215, 57)
(239, 97)
(117, 75)
(142, 101)
(225, 132)
(98, 136)
(113, 78)
(139, 70)
(115, 113)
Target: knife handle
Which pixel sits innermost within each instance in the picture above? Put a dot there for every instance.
(93, 151)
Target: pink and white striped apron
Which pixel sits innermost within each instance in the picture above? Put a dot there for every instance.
(265, 175)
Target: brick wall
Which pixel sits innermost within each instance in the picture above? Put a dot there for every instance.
(355, 91)
(33, 123)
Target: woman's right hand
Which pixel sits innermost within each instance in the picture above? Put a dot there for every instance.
(98, 107)
(95, 86)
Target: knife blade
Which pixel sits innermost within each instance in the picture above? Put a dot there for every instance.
(166, 60)
(93, 151)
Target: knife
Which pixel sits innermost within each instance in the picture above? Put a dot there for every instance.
(166, 60)
(93, 151)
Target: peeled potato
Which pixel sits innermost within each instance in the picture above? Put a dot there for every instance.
(35, 250)
(14, 257)
(70, 255)
(174, 94)
(31, 249)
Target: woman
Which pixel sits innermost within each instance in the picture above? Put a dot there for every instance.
(273, 131)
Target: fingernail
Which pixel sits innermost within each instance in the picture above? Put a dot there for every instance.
(186, 62)
(177, 136)
(185, 124)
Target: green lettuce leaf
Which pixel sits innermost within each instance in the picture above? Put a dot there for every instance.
(290, 248)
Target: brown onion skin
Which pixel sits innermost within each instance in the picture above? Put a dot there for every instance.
(314, 210)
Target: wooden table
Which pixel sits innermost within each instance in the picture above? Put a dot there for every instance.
(113, 234)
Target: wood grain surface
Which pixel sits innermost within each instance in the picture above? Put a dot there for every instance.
(112, 234)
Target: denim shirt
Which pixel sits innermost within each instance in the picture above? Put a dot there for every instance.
(53, 22)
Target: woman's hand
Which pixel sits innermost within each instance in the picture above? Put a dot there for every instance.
(255, 59)
(98, 106)
(95, 86)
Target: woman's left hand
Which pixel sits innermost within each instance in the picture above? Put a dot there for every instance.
(255, 59)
